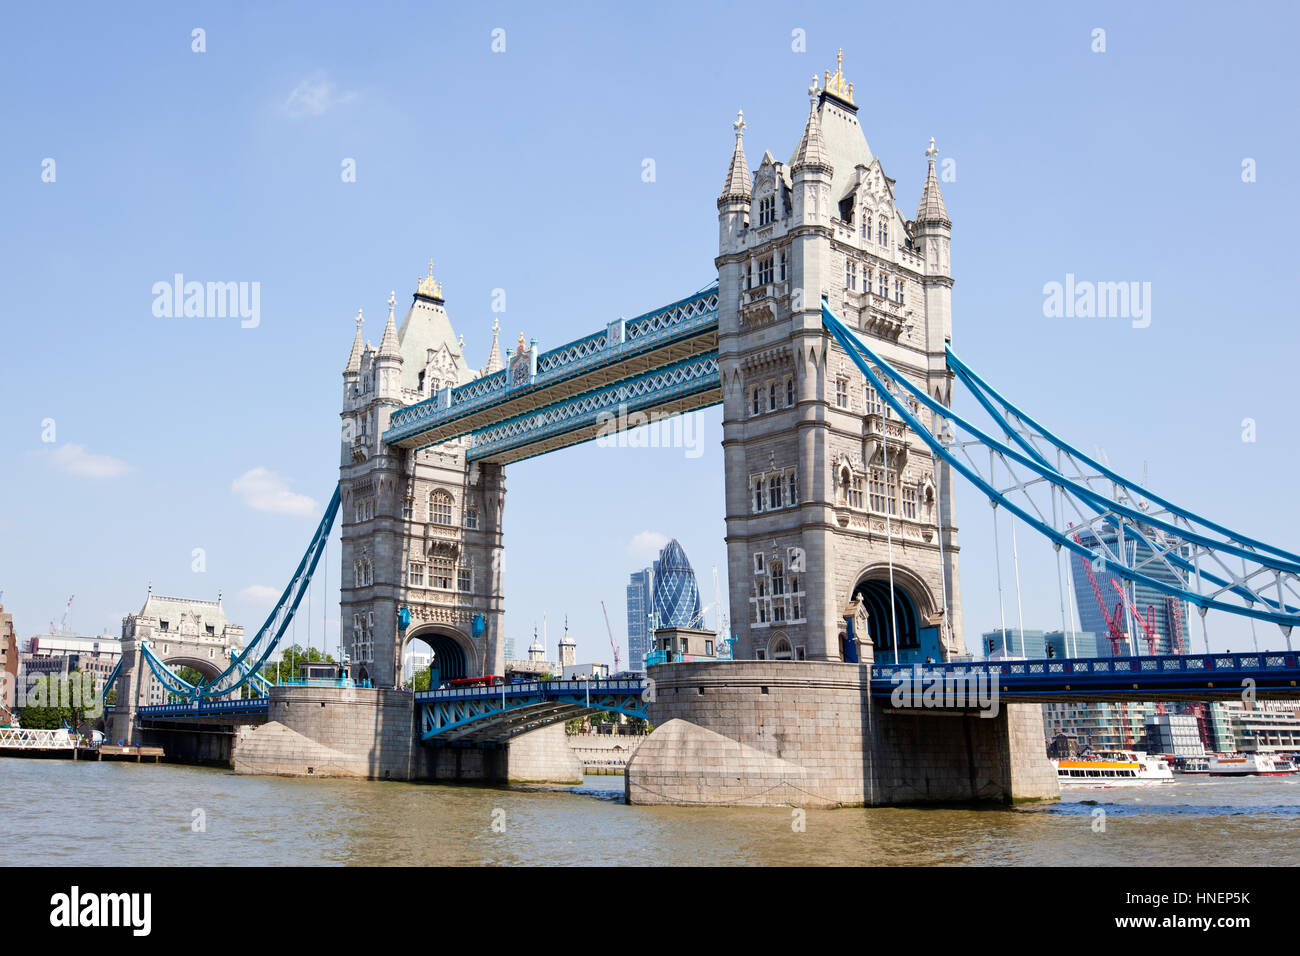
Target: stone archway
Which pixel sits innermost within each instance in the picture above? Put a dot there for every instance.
(453, 653)
(912, 607)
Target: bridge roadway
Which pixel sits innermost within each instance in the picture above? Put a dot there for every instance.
(478, 715)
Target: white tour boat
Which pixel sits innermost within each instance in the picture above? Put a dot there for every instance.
(1113, 768)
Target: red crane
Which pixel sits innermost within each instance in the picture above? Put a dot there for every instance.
(1147, 623)
(1113, 629)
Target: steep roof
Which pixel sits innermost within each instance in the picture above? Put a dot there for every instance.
(932, 208)
(737, 184)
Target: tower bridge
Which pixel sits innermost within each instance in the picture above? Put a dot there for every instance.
(828, 340)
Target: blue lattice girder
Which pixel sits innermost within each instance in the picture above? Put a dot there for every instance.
(508, 710)
(683, 328)
(1030, 473)
(682, 386)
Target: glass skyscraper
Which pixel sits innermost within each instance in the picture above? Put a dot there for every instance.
(676, 594)
(665, 595)
(1168, 614)
(638, 618)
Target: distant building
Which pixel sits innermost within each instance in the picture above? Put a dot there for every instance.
(58, 655)
(675, 592)
(1167, 614)
(1039, 645)
(1098, 725)
(591, 671)
(639, 598)
(183, 626)
(1177, 734)
(1265, 726)
(9, 661)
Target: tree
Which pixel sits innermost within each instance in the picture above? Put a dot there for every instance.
(53, 702)
(420, 679)
(286, 668)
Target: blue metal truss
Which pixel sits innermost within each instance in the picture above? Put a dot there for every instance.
(245, 667)
(1163, 677)
(1176, 540)
(507, 710)
(585, 412)
(622, 341)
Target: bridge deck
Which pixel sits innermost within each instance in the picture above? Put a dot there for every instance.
(662, 358)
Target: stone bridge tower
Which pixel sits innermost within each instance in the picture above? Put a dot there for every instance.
(421, 528)
(823, 484)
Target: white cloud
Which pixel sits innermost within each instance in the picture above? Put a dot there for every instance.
(264, 490)
(75, 460)
(260, 594)
(646, 545)
(315, 96)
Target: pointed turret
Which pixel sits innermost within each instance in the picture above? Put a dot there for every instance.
(812, 148)
(738, 186)
(494, 363)
(354, 357)
(388, 344)
(932, 209)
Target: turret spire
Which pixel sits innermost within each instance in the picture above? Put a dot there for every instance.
(388, 344)
(354, 357)
(494, 363)
(932, 208)
(812, 148)
(738, 184)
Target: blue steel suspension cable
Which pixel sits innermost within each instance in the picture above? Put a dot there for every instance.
(856, 350)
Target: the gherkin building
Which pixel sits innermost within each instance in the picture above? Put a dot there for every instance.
(676, 595)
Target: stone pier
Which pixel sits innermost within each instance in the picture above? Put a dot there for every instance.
(808, 734)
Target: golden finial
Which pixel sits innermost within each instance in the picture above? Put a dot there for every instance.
(835, 84)
(521, 342)
(428, 287)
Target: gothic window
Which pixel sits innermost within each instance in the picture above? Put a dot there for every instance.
(855, 492)
(440, 573)
(842, 393)
(883, 288)
(884, 233)
(771, 397)
(774, 492)
(877, 489)
(850, 274)
(758, 495)
(356, 574)
(781, 650)
(792, 488)
(408, 508)
(782, 265)
(765, 271)
(758, 562)
(416, 575)
(789, 392)
(471, 519)
(440, 507)
(766, 210)
(866, 225)
(756, 401)
(866, 280)
(873, 402)
(909, 502)
(778, 579)
(464, 579)
(898, 291)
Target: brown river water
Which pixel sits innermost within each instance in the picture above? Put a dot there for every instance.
(55, 812)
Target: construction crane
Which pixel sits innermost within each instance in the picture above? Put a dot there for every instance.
(63, 624)
(1113, 629)
(610, 631)
(1148, 623)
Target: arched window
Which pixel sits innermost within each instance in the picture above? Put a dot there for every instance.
(440, 507)
(780, 649)
(771, 397)
(792, 488)
(774, 492)
(789, 392)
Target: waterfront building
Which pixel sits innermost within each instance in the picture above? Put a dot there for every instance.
(59, 654)
(639, 600)
(1168, 615)
(1099, 725)
(1177, 734)
(1038, 645)
(1262, 726)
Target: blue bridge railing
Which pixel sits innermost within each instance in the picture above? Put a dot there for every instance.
(206, 708)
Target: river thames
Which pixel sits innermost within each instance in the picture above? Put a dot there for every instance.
(55, 812)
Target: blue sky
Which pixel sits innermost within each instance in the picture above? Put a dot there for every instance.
(521, 170)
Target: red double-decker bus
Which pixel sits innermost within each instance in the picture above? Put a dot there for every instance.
(487, 680)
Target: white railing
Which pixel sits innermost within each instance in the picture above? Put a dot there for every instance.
(16, 738)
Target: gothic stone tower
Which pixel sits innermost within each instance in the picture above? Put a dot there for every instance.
(822, 483)
(421, 529)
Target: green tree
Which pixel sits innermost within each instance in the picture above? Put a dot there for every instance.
(53, 702)
(287, 667)
(420, 679)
